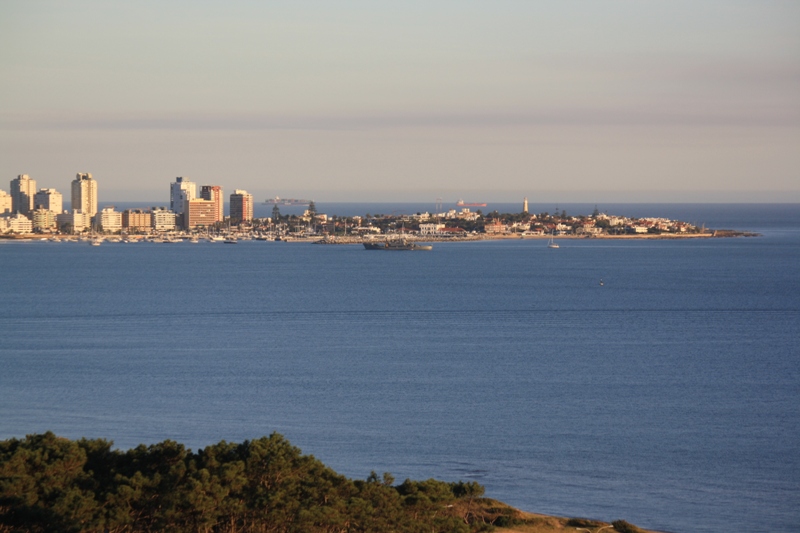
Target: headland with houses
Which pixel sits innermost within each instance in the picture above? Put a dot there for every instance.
(199, 213)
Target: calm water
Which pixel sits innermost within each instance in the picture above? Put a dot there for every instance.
(669, 397)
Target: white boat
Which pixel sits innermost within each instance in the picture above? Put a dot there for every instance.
(552, 244)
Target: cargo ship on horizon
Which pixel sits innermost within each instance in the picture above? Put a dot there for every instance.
(286, 201)
(462, 203)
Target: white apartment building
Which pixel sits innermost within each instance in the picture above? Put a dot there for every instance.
(181, 191)
(162, 219)
(49, 199)
(84, 194)
(76, 220)
(19, 223)
(430, 229)
(43, 219)
(108, 220)
(5, 202)
(23, 188)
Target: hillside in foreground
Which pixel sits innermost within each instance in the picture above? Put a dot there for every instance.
(48, 483)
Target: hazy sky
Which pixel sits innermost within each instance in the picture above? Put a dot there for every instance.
(589, 101)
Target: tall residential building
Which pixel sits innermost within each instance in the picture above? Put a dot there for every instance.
(49, 199)
(199, 213)
(214, 193)
(180, 192)
(23, 188)
(241, 207)
(6, 205)
(84, 194)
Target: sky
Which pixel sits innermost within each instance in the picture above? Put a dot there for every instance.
(570, 101)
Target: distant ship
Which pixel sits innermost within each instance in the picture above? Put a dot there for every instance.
(462, 203)
(286, 201)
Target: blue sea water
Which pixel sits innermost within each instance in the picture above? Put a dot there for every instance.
(669, 396)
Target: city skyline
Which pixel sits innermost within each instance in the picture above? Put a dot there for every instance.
(564, 102)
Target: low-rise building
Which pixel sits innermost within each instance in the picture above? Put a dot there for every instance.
(495, 227)
(362, 230)
(588, 230)
(636, 229)
(43, 220)
(74, 222)
(162, 219)
(430, 229)
(19, 223)
(137, 220)
(452, 232)
(108, 220)
(468, 215)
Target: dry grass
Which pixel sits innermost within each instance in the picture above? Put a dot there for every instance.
(507, 519)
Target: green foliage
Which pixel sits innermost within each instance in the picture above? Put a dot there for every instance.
(52, 484)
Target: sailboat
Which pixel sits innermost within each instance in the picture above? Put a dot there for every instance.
(551, 243)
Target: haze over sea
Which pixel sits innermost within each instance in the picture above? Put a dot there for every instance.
(669, 396)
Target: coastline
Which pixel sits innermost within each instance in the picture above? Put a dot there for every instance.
(320, 239)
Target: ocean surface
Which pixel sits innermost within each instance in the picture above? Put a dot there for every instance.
(668, 397)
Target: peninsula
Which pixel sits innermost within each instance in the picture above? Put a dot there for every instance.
(28, 214)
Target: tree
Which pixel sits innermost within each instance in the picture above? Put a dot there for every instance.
(276, 213)
(52, 484)
(312, 208)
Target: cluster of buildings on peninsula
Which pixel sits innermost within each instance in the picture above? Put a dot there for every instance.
(26, 210)
(191, 209)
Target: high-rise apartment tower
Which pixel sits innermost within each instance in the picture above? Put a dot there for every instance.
(49, 199)
(241, 207)
(214, 193)
(84, 194)
(23, 188)
(181, 191)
